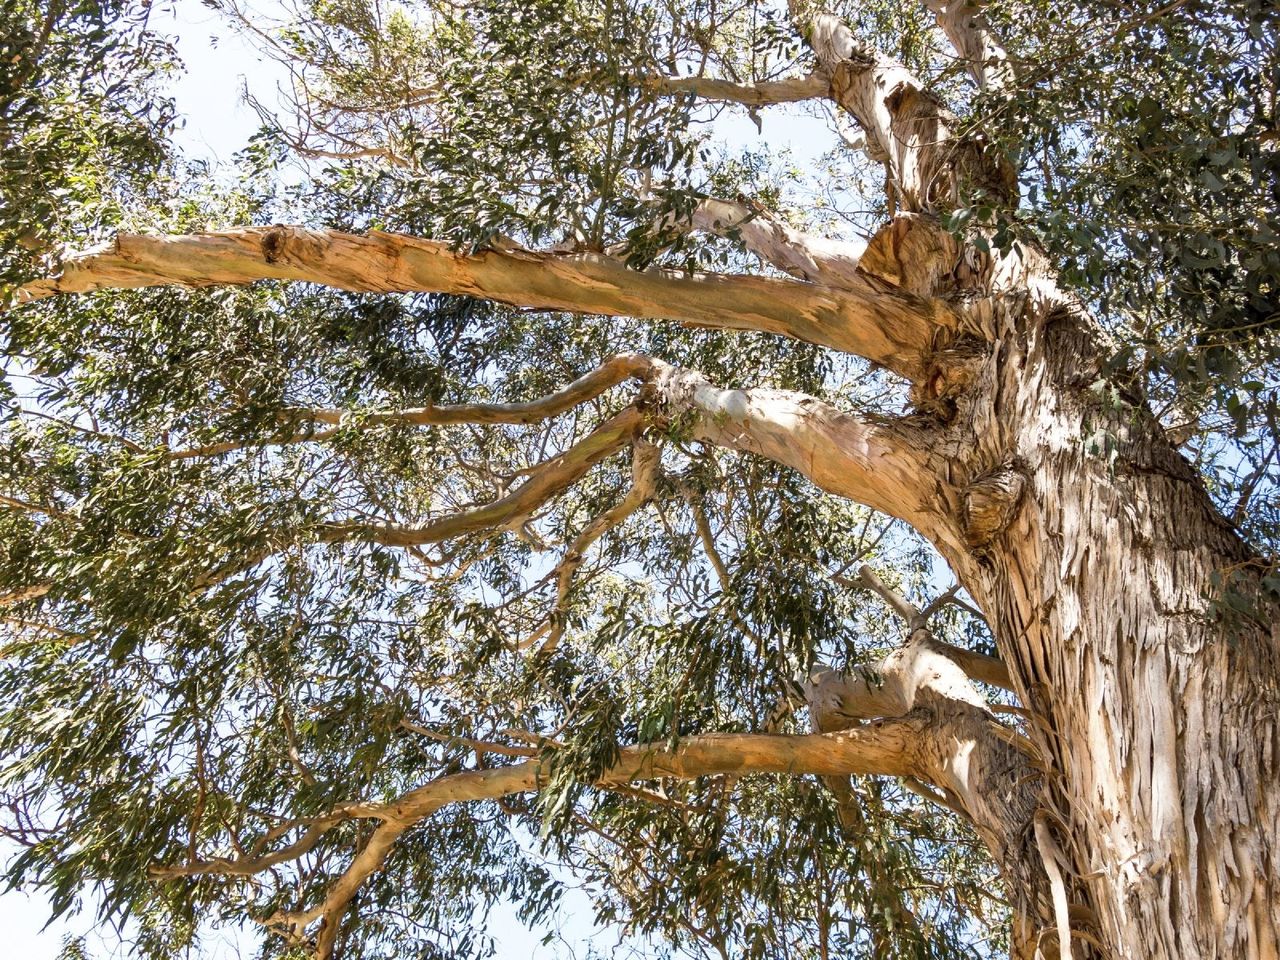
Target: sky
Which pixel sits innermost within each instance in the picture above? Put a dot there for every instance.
(217, 122)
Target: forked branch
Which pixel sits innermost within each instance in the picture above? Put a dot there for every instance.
(888, 748)
(612, 372)
(546, 481)
(889, 464)
(906, 125)
(978, 666)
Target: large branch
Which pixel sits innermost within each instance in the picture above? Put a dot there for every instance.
(981, 768)
(974, 41)
(894, 465)
(889, 464)
(891, 328)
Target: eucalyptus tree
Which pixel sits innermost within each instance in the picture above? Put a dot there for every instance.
(540, 468)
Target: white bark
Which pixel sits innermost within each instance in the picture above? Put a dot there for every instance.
(763, 94)
(906, 126)
(974, 41)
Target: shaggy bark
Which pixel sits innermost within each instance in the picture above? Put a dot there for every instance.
(1156, 708)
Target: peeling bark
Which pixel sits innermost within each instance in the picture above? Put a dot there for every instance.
(804, 256)
(973, 40)
(1157, 712)
(906, 126)
(882, 462)
(973, 761)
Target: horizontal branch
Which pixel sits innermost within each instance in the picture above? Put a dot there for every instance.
(766, 93)
(890, 328)
(615, 370)
(887, 748)
(545, 481)
(23, 594)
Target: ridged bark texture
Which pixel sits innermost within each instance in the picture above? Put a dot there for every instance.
(1101, 567)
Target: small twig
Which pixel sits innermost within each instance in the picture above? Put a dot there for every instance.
(479, 746)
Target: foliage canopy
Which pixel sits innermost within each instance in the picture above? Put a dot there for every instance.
(201, 667)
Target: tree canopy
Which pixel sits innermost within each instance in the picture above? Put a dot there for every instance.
(291, 570)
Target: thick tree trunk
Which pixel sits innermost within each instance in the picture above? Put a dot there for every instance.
(1101, 563)
(1130, 616)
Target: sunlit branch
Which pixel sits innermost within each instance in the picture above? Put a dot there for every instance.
(546, 481)
(765, 93)
(803, 255)
(885, 463)
(979, 666)
(894, 329)
(906, 125)
(887, 747)
(25, 506)
(974, 41)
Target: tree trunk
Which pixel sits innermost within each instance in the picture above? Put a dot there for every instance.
(1131, 619)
